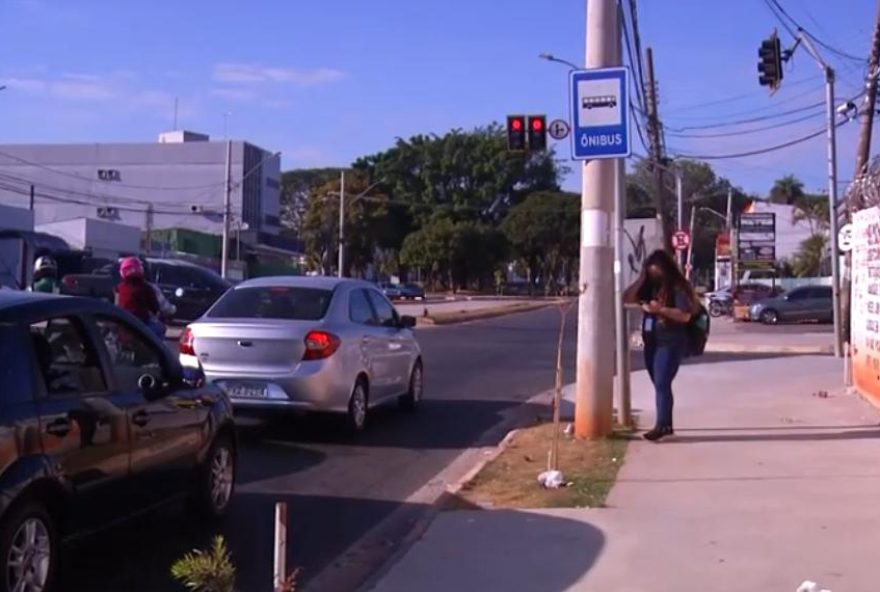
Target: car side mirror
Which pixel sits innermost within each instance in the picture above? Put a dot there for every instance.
(148, 385)
(407, 322)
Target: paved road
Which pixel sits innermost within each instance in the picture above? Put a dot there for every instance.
(336, 489)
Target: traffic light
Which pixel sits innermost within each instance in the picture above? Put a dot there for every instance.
(516, 132)
(537, 133)
(770, 65)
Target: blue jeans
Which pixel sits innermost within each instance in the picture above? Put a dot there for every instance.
(662, 361)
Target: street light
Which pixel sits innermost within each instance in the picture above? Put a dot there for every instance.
(552, 58)
(341, 230)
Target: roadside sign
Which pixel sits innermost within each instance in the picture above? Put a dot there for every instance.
(600, 113)
(845, 238)
(681, 240)
(558, 129)
(757, 240)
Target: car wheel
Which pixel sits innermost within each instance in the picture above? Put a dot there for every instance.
(410, 401)
(769, 317)
(216, 479)
(358, 405)
(29, 549)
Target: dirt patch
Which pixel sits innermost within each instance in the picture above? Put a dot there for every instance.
(511, 479)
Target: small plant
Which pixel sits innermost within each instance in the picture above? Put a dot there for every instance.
(206, 571)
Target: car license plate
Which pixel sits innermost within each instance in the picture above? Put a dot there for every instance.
(247, 391)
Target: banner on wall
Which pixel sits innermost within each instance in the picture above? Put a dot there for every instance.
(865, 308)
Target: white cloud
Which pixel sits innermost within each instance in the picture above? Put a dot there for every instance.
(254, 73)
(234, 94)
(28, 85)
(82, 91)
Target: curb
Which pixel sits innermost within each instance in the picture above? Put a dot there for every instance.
(721, 347)
(454, 488)
(465, 316)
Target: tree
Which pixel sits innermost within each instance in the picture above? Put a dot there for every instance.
(812, 210)
(296, 188)
(460, 175)
(366, 219)
(455, 254)
(787, 190)
(808, 261)
(543, 232)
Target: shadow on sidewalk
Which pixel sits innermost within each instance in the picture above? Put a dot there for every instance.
(854, 434)
(509, 550)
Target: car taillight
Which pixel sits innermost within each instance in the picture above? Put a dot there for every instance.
(320, 345)
(187, 342)
(69, 281)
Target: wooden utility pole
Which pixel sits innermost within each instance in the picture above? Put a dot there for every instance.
(863, 154)
(656, 146)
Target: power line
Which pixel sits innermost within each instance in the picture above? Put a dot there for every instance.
(115, 183)
(750, 119)
(747, 131)
(779, 10)
(758, 151)
(749, 95)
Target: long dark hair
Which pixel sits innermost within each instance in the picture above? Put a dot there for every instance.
(673, 280)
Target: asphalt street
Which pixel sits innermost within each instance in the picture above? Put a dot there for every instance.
(338, 489)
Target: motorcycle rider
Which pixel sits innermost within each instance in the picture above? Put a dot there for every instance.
(45, 276)
(137, 296)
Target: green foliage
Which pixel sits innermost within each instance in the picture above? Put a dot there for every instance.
(206, 571)
(787, 190)
(813, 211)
(296, 188)
(810, 257)
(543, 232)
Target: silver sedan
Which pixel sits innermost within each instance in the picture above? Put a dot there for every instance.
(307, 344)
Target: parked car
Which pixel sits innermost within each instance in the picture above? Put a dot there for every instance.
(191, 288)
(98, 422)
(411, 292)
(808, 303)
(392, 291)
(307, 344)
(748, 293)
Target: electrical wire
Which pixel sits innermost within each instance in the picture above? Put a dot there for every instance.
(780, 12)
(758, 151)
(749, 119)
(115, 183)
(747, 131)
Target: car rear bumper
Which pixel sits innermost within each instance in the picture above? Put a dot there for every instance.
(314, 386)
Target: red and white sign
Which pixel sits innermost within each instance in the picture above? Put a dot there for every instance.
(681, 240)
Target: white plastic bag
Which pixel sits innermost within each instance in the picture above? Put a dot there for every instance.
(551, 479)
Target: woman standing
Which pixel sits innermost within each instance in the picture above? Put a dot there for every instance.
(668, 302)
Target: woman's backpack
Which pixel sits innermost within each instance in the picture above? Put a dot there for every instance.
(698, 332)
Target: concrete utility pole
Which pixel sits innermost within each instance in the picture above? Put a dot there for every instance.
(227, 206)
(341, 233)
(148, 225)
(594, 388)
(656, 146)
(832, 186)
(863, 153)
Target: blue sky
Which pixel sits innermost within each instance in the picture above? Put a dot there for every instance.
(327, 81)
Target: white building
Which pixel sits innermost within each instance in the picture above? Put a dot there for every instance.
(107, 240)
(177, 182)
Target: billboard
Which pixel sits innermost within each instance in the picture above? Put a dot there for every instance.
(756, 241)
(865, 305)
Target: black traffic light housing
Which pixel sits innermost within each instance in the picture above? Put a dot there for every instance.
(516, 133)
(537, 125)
(770, 65)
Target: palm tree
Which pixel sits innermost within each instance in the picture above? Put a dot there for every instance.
(787, 190)
(812, 209)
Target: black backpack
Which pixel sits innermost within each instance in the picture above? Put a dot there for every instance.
(698, 332)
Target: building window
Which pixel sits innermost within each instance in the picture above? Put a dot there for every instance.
(109, 175)
(272, 183)
(272, 221)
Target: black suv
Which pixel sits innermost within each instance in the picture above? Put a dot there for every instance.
(98, 422)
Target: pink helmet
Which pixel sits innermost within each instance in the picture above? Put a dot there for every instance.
(131, 267)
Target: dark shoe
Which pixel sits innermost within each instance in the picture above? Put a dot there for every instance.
(658, 434)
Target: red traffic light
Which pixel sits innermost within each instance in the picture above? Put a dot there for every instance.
(516, 124)
(537, 124)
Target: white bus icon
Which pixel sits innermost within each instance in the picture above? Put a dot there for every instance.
(599, 101)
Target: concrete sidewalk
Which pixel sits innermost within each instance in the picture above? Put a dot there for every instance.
(765, 486)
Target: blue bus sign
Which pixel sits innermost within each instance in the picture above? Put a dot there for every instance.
(600, 113)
